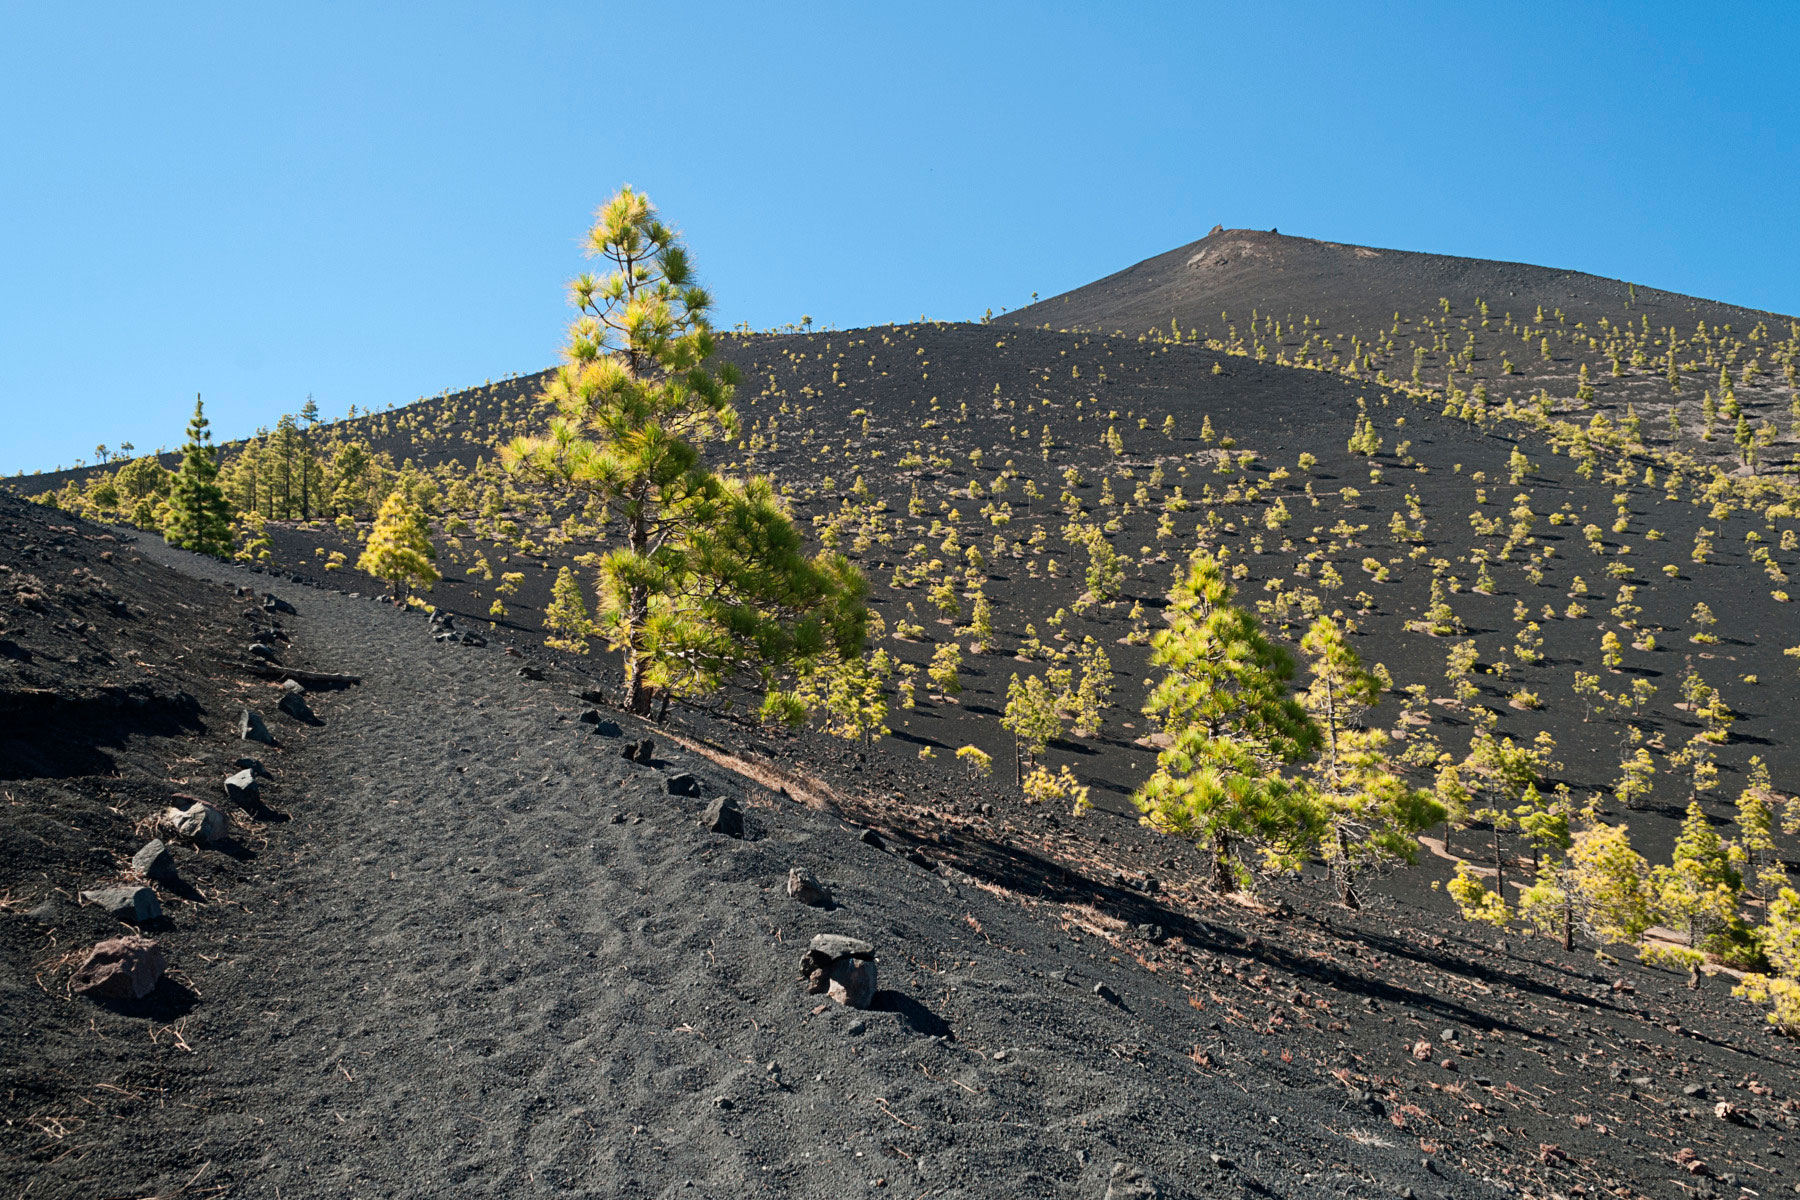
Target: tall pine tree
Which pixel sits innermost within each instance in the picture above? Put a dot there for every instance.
(709, 580)
(199, 518)
(1225, 701)
(1371, 814)
(399, 548)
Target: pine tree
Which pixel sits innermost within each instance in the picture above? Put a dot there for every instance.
(1031, 718)
(1503, 773)
(1609, 883)
(1091, 695)
(199, 518)
(1697, 892)
(1759, 811)
(981, 624)
(1224, 699)
(399, 549)
(1780, 943)
(854, 696)
(567, 615)
(310, 473)
(946, 662)
(1371, 814)
(709, 581)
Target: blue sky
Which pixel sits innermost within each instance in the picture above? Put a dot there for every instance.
(367, 203)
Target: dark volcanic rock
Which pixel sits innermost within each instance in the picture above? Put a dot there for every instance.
(683, 784)
(840, 966)
(252, 729)
(242, 788)
(840, 945)
(202, 822)
(803, 886)
(723, 816)
(295, 706)
(154, 861)
(123, 968)
(135, 904)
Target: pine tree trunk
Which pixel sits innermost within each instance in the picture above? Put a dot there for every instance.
(637, 696)
(1223, 881)
(1568, 930)
(1346, 880)
(1499, 866)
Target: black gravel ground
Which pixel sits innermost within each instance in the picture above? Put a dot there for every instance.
(485, 955)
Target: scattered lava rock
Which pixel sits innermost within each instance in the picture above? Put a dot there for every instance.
(803, 886)
(841, 967)
(134, 904)
(123, 968)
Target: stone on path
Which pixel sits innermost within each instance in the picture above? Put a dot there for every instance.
(642, 752)
(840, 966)
(242, 788)
(252, 729)
(724, 816)
(601, 725)
(123, 968)
(683, 784)
(803, 886)
(203, 822)
(295, 706)
(128, 903)
(154, 862)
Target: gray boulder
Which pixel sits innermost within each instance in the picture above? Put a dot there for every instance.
(135, 904)
(840, 945)
(252, 729)
(803, 886)
(203, 822)
(683, 784)
(123, 968)
(840, 967)
(154, 862)
(295, 706)
(851, 982)
(723, 816)
(242, 789)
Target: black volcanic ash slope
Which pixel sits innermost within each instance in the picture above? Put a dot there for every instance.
(486, 956)
(1513, 328)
